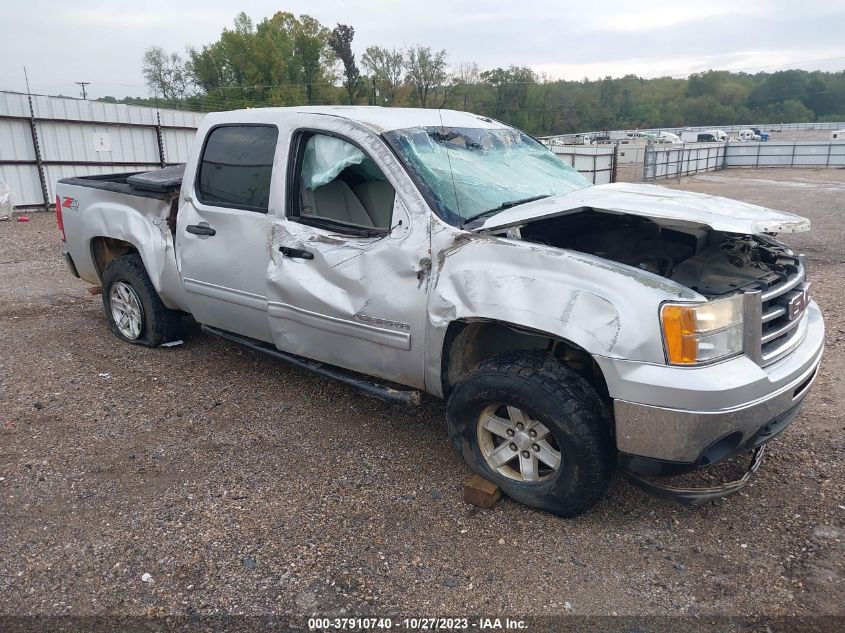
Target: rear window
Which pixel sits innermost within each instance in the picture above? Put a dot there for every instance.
(236, 165)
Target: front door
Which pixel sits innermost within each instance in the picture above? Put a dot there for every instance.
(222, 229)
(347, 282)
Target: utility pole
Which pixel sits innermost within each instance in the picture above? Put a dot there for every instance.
(83, 84)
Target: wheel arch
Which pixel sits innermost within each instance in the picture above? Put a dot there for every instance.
(469, 342)
(105, 249)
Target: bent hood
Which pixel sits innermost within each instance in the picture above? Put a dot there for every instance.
(669, 206)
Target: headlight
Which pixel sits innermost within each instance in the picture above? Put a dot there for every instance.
(696, 334)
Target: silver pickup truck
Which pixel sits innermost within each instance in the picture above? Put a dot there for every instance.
(572, 328)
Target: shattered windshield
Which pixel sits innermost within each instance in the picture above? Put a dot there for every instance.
(473, 173)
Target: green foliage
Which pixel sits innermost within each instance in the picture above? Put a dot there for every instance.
(386, 68)
(426, 72)
(165, 74)
(340, 42)
(290, 60)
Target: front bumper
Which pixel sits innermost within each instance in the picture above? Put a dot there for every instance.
(674, 419)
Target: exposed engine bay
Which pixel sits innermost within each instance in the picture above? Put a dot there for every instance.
(710, 262)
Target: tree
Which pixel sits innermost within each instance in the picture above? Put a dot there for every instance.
(340, 42)
(205, 67)
(311, 48)
(511, 87)
(165, 74)
(466, 76)
(386, 67)
(425, 71)
(283, 60)
(291, 60)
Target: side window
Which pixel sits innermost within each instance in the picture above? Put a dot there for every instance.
(337, 183)
(235, 167)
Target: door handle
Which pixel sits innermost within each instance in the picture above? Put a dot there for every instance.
(295, 253)
(200, 229)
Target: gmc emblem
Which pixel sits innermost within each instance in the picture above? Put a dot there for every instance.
(798, 303)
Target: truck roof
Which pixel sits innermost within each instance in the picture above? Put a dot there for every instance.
(376, 117)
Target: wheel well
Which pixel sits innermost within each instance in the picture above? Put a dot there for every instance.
(105, 249)
(468, 343)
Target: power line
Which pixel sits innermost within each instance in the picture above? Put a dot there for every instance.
(83, 84)
(506, 83)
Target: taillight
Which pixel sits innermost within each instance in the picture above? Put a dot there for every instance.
(59, 221)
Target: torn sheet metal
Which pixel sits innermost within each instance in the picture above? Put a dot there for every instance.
(697, 496)
(606, 308)
(138, 220)
(658, 203)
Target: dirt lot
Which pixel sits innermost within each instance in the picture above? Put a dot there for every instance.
(799, 135)
(243, 486)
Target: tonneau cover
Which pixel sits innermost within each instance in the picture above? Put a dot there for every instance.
(159, 180)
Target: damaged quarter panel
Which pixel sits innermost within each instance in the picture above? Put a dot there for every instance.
(143, 225)
(606, 308)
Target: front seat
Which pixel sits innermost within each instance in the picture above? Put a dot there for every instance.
(336, 201)
(377, 198)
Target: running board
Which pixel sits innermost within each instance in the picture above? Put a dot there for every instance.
(410, 397)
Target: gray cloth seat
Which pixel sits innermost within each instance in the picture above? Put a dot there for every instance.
(377, 198)
(335, 201)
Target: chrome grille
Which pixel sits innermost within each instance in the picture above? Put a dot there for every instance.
(779, 324)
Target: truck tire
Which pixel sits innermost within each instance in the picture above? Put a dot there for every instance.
(535, 428)
(133, 307)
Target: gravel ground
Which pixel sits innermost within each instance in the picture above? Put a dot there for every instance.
(243, 486)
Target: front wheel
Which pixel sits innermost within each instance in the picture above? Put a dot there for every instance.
(536, 429)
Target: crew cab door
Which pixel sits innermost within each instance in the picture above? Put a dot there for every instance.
(347, 283)
(222, 228)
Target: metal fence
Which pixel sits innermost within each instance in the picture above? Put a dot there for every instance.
(770, 127)
(596, 162)
(674, 161)
(631, 153)
(615, 135)
(43, 139)
(786, 154)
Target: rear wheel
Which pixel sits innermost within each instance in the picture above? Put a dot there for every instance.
(135, 312)
(537, 429)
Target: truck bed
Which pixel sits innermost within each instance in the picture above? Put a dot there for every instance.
(159, 183)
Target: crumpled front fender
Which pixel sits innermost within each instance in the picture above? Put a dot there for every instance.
(606, 308)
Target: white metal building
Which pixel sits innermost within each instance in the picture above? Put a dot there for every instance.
(43, 139)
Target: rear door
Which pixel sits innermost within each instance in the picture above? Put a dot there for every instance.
(223, 225)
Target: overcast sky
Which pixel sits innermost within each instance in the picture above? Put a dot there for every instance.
(61, 42)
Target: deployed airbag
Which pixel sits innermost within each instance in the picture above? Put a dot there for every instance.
(325, 157)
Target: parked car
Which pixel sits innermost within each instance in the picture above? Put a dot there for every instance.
(718, 135)
(667, 137)
(764, 136)
(747, 135)
(701, 137)
(571, 328)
